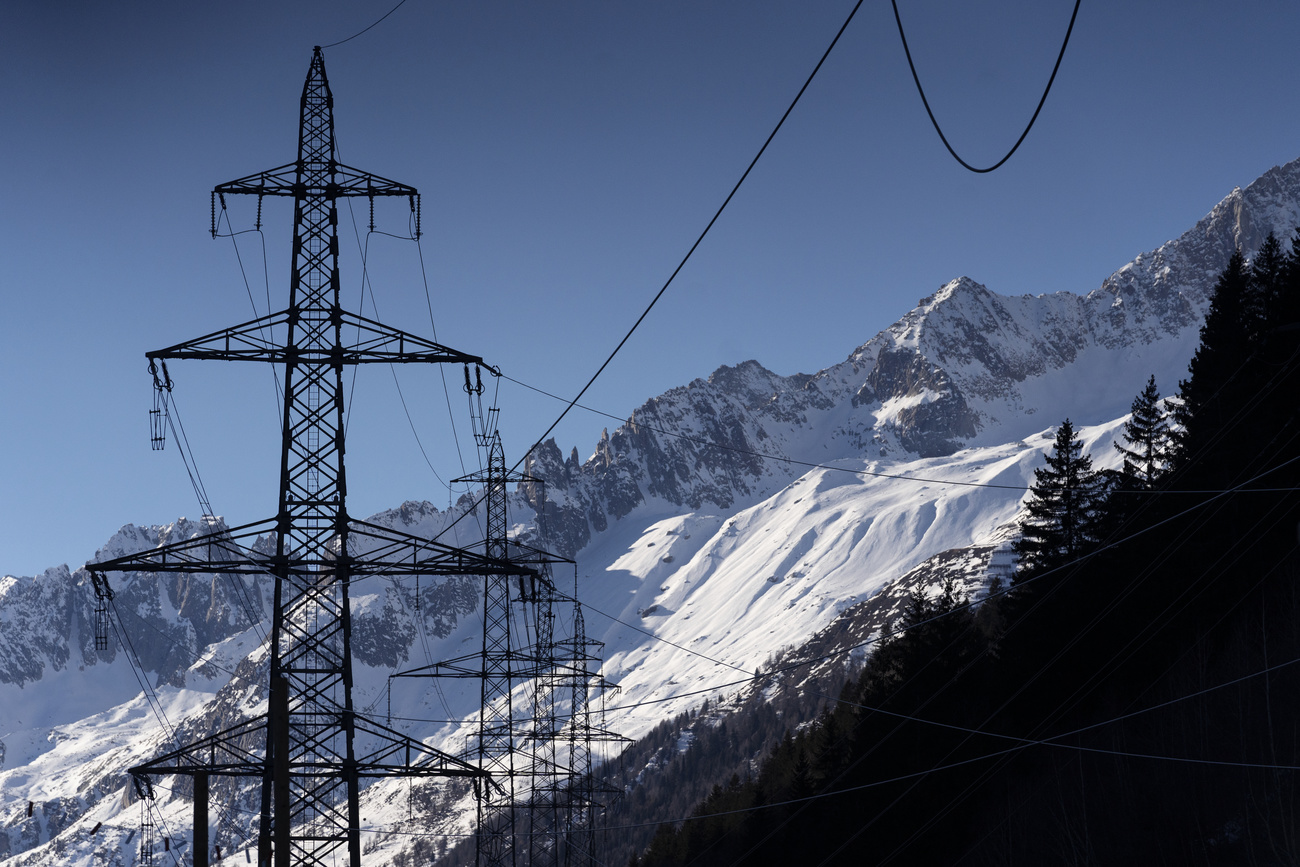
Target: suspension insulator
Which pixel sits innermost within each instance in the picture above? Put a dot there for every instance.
(103, 595)
(101, 627)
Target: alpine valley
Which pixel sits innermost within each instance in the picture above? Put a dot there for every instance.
(730, 522)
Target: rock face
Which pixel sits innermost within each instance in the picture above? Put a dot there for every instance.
(43, 618)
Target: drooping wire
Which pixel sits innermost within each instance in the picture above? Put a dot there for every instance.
(266, 279)
(442, 372)
(367, 286)
(138, 670)
(190, 653)
(196, 480)
(172, 415)
(1028, 127)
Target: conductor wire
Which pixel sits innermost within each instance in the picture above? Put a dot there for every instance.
(698, 240)
(921, 90)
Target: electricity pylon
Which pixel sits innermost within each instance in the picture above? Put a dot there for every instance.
(504, 662)
(311, 749)
(582, 800)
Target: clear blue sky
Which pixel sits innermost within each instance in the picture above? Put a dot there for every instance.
(569, 154)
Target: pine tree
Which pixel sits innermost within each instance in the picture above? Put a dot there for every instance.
(1268, 274)
(1063, 505)
(1217, 370)
(1148, 438)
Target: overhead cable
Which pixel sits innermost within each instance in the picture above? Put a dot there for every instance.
(1028, 127)
(365, 29)
(698, 240)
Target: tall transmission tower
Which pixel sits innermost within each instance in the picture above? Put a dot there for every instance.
(311, 749)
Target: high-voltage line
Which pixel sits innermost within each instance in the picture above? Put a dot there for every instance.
(311, 749)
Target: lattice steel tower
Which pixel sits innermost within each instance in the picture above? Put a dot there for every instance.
(311, 749)
(497, 745)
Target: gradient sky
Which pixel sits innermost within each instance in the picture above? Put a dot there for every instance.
(568, 154)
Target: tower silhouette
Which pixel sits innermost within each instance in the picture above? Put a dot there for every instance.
(311, 748)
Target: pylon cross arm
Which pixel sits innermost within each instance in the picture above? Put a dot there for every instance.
(224, 753)
(220, 551)
(375, 343)
(394, 751)
(249, 341)
(286, 181)
(280, 181)
(355, 182)
(392, 552)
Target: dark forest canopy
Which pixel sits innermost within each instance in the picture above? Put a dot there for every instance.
(1130, 699)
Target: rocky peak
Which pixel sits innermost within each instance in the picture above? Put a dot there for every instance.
(965, 365)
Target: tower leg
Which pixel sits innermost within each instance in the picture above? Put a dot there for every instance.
(200, 820)
(278, 729)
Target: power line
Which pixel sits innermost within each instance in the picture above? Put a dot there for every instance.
(698, 240)
(1112, 544)
(359, 32)
(1023, 744)
(1028, 127)
(800, 663)
(1131, 646)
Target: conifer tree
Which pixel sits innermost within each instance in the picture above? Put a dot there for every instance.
(1268, 273)
(1064, 505)
(1148, 438)
(1206, 397)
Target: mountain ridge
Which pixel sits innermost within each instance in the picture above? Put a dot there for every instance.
(964, 367)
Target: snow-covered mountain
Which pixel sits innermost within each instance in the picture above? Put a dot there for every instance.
(727, 519)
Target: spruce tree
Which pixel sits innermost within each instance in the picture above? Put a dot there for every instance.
(1148, 438)
(1063, 505)
(1217, 370)
(1268, 273)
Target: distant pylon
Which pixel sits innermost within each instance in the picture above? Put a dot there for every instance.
(583, 802)
(504, 662)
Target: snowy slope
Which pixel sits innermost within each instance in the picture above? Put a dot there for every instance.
(728, 519)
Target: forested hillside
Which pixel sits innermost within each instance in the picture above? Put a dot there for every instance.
(1130, 698)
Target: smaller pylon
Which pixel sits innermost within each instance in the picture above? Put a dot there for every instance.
(502, 663)
(148, 832)
(584, 802)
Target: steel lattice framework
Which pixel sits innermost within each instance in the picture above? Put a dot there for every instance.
(312, 749)
(584, 801)
(502, 663)
(496, 734)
